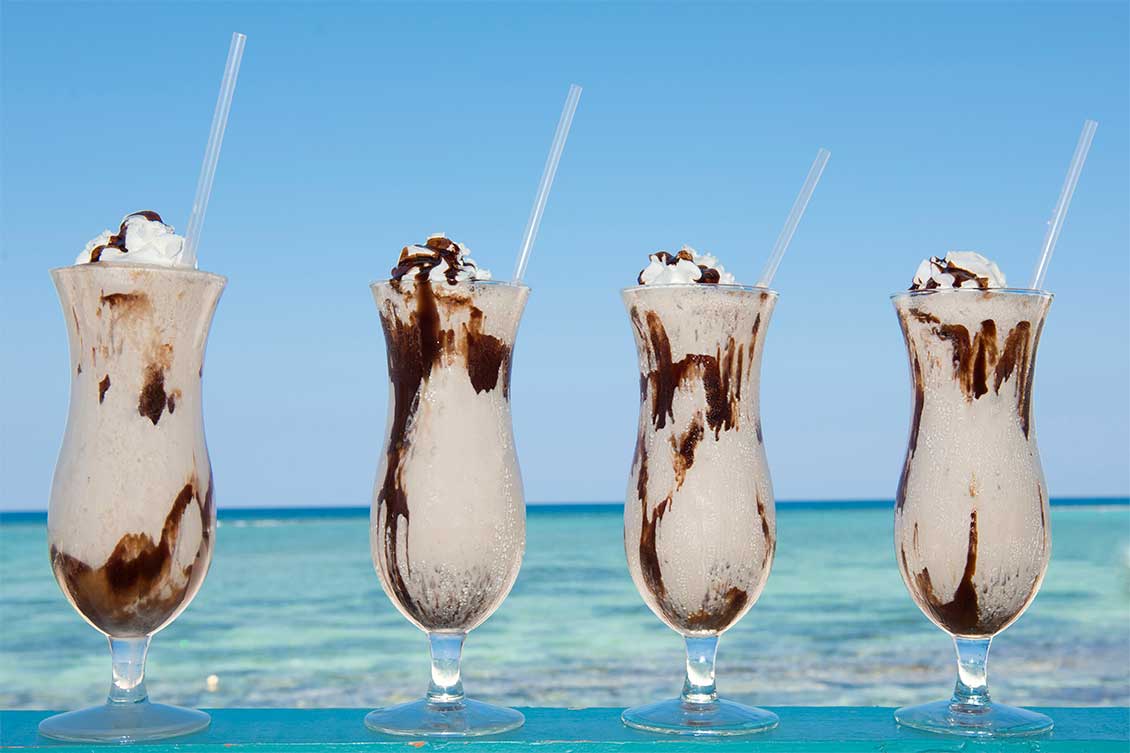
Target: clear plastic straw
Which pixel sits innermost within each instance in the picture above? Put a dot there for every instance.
(801, 203)
(1055, 224)
(212, 151)
(555, 150)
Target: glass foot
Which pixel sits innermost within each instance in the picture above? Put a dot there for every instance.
(124, 723)
(677, 717)
(466, 719)
(986, 720)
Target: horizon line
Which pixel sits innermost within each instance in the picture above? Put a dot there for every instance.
(238, 512)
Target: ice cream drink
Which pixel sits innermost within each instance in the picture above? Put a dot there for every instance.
(971, 512)
(971, 515)
(131, 520)
(699, 521)
(448, 525)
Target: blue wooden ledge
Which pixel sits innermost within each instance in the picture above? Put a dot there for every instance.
(802, 730)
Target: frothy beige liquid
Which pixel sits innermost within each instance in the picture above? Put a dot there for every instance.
(699, 519)
(131, 517)
(448, 526)
(971, 519)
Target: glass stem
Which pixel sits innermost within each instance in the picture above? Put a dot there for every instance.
(972, 687)
(127, 657)
(699, 685)
(446, 685)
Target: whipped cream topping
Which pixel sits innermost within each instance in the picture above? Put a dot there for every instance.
(959, 269)
(684, 268)
(142, 238)
(439, 259)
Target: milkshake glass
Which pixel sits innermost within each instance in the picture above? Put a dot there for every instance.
(699, 518)
(131, 520)
(448, 526)
(971, 514)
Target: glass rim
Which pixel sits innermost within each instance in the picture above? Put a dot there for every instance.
(127, 265)
(733, 287)
(499, 283)
(1033, 292)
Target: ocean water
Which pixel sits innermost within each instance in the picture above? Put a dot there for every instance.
(292, 615)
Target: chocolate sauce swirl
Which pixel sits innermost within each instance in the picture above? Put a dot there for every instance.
(118, 240)
(438, 251)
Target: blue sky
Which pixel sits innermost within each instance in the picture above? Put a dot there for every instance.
(358, 128)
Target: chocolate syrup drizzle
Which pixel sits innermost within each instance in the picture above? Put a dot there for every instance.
(423, 259)
(684, 448)
(960, 276)
(961, 615)
(130, 304)
(118, 240)
(977, 360)
(136, 589)
(979, 365)
(721, 377)
(725, 608)
(415, 348)
(153, 399)
(720, 374)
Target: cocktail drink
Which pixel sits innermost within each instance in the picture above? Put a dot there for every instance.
(448, 525)
(699, 520)
(131, 521)
(971, 516)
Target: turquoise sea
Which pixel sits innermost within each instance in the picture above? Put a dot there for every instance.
(292, 615)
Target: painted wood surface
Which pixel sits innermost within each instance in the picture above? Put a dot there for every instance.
(548, 730)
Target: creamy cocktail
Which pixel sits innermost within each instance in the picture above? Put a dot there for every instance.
(131, 519)
(448, 517)
(971, 515)
(699, 521)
